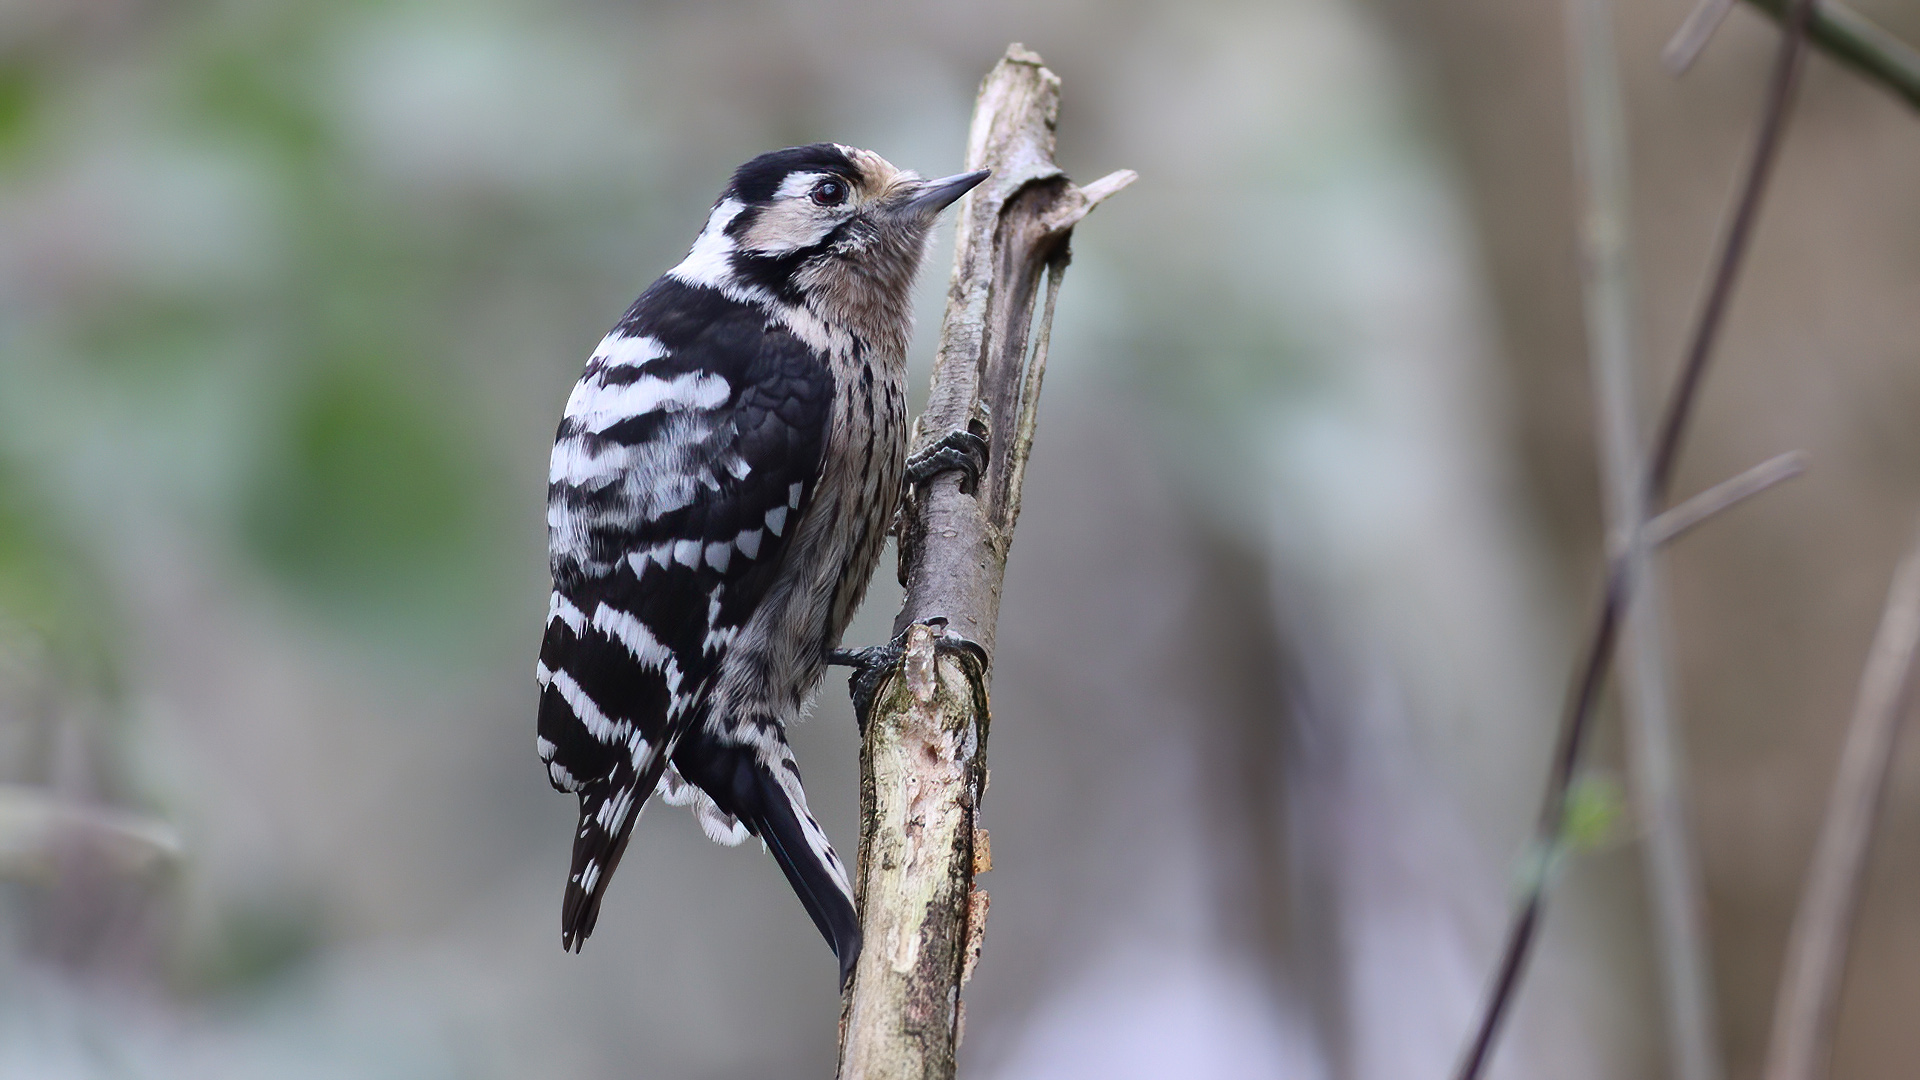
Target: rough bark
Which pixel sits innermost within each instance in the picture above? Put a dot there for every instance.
(923, 758)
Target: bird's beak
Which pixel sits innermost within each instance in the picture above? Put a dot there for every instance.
(936, 195)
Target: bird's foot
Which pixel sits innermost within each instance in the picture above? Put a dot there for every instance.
(871, 666)
(963, 451)
(874, 663)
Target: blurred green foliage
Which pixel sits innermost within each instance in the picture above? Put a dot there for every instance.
(253, 319)
(369, 495)
(257, 85)
(18, 92)
(46, 589)
(258, 942)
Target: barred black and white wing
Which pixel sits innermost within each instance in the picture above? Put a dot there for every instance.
(686, 457)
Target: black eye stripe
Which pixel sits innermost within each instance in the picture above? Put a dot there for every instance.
(758, 180)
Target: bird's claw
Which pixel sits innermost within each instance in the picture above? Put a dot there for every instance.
(874, 663)
(871, 666)
(964, 451)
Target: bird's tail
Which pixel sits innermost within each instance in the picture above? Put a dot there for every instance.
(760, 785)
(608, 811)
(801, 848)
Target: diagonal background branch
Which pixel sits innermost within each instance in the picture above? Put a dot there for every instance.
(1836, 29)
(923, 755)
(1856, 41)
(1662, 463)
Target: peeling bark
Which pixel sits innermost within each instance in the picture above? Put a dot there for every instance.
(923, 758)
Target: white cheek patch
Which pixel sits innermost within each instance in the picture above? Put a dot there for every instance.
(788, 225)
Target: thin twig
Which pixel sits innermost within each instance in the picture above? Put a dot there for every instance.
(1837, 30)
(1723, 496)
(1654, 751)
(1859, 43)
(1785, 77)
(1036, 376)
(1663, 529)
(1691, 39)
(1801, 1045)
(1591, 674)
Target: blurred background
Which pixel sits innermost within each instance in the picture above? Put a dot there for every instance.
(291, 294)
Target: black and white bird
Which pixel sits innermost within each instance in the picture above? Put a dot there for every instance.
(721, 486)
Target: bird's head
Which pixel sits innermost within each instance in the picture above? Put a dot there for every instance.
(828, 227)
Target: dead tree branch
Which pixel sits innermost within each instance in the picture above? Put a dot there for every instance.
(923, 757)
(1725, 495)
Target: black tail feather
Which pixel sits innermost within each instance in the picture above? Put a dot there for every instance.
(597, 847)
(831, 908)
(596, 853)
(745, 785)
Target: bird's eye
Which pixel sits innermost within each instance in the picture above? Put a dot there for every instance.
(829, 193)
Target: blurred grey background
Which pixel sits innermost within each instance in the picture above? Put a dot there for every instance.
(291, 293)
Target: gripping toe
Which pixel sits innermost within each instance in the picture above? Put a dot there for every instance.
(957, 451)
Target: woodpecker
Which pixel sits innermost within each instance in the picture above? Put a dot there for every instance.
(721, 485)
